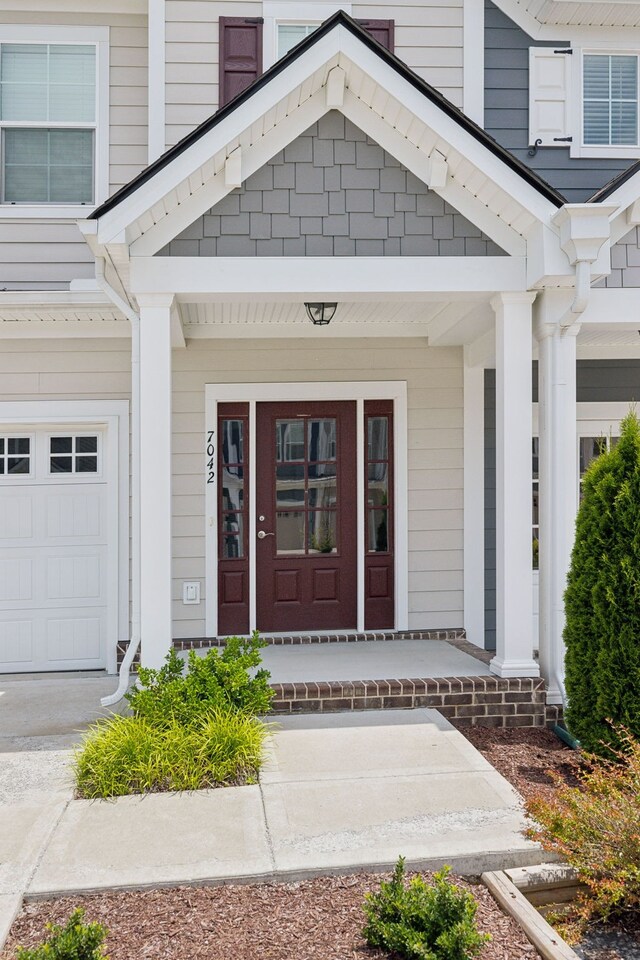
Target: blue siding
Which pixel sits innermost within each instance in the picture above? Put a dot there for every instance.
(598, 381)
(507, 111)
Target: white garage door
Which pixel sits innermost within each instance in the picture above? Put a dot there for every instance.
(53, 550)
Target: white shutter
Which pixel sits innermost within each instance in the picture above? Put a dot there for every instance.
(549, 89)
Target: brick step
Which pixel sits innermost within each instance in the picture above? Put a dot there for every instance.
(296, 639)
(483, 701)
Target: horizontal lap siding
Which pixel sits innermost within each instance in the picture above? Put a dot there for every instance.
(192, 40)
(48, 254)
(428, 37)
(434, 379)
(128, 102)
(506, 113)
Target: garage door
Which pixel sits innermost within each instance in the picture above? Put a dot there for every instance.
(53, 550)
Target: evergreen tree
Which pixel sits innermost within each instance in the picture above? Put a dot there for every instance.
(602, 601)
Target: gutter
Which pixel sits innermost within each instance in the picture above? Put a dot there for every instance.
(134, 640)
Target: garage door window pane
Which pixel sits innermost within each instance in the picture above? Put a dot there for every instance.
(15, 455)
(86, 464)
(73, 454)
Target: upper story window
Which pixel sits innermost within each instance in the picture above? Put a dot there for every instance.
(54, 119)
(48, 120)
(290, 34)
(585, 100)
(610, 99)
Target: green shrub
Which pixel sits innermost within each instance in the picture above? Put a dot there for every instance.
(421, 921)
(596, 828)
(220, 679)
(75, 941)
(124, 755)
(602, 601)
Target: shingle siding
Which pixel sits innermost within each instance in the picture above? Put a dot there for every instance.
(507, 111)
(625, 262)
(332, 192)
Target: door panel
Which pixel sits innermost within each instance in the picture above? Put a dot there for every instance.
(306, 545)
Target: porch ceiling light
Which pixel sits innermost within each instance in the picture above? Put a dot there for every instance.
(320, 314)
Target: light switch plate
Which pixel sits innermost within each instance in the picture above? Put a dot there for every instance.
(191, 591)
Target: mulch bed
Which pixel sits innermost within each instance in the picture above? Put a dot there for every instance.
(524, 757)
(317, 919)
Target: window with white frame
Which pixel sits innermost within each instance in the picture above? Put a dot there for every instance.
(585, 100)
(610, 99)
(48, 122)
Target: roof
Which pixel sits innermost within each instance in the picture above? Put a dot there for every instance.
(605, 192)
(344, 20)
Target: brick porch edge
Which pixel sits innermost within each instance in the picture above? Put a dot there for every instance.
(466, 701)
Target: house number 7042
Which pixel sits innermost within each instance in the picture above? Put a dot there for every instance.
(211, 462)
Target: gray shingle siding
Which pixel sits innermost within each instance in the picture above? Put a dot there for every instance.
(604, 381)
(625, 262)
(332, 192)
(506, 115)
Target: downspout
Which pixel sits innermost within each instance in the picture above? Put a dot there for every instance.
(134, 640)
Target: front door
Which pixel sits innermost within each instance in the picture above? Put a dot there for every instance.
(306, 510)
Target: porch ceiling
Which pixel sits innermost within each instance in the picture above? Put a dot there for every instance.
(441, 322)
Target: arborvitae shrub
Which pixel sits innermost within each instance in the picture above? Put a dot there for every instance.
(602, 601)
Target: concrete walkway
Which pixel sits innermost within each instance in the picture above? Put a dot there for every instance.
(338, 793)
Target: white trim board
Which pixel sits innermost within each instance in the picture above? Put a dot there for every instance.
(253, 393)
(114, 414)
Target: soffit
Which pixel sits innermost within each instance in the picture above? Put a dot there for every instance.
(582, 13)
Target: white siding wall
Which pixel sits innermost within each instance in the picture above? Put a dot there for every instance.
(48, 254)
(192, 59)
(434, 378)
(100, 369)
(428, 37)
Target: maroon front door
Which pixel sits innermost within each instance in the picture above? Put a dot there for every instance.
(306, 509)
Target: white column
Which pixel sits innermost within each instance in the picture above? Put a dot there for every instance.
(514, 601)
(558, 478)
(544, 333)
(474, 503)
(564, 493)
(155, 477)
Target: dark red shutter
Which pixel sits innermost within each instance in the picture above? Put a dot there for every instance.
(381, 30)
(240, 55)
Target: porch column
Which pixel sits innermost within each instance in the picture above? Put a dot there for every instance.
(514, 593)
(558, 478)
(155, 477)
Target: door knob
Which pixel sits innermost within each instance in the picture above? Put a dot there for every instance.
(263, 533)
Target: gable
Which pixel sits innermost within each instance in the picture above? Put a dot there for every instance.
(332, 192)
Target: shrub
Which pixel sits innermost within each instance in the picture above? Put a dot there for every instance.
(75, 941)
(596, 828)
(602, 632)
(423, 922)
(124, 755)
(220, 679)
